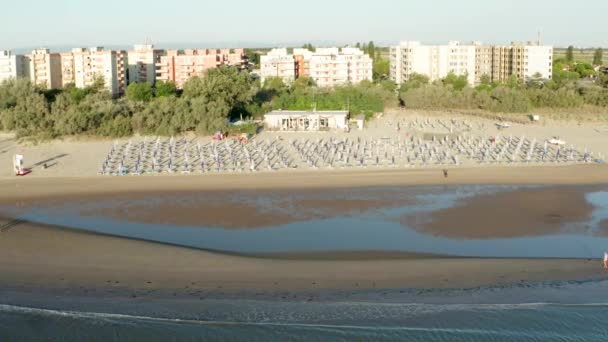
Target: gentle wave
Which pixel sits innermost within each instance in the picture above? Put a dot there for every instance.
(414, 308)
(479, 322)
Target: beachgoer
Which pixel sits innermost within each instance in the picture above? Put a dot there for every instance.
(445, 173)
(606, 260)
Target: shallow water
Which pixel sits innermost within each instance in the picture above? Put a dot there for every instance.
(547, 312)
(377, 229)
(451, 315)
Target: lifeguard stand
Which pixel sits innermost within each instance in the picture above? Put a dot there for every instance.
(18, 165)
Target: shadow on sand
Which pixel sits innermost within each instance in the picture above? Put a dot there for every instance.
(50, 160)
(10, 224)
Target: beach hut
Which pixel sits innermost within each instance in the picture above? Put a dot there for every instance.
(279, 120)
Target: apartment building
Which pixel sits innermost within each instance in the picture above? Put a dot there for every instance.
(474, 60)
(484, 55)
(142, 62)
(44, 68)
(328, 67)
(67, 69)
(434, 61)
(279, 63)
(532, 59)
(82, 66)
(180, 65)
(11, 65)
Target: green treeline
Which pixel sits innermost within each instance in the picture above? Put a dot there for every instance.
(206, 104)
(508, 97)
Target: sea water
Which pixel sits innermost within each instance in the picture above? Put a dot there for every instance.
(522, 312)
(380, 229)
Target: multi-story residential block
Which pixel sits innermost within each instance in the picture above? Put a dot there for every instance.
(142, 63)
(44, 68)
(533, 60)
(83, 66)
(474, 60)
(178, 66)
(328, 67)
(483, 61)
(434, 61)
(278, 63)
(11, 65)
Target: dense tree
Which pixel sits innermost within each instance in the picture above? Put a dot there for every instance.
(253, 57)
(308, 47)
(584, 69)
(570, 54)
(207, 103)
(598, 56)
(142, 92)
(381, 69)
(165, 88)
(457, 82)
(371, 49)
(224, 85)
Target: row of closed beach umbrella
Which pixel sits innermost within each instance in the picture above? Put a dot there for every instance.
(170, 155)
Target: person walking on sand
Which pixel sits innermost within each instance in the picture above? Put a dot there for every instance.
(606, 260)
(445, 173)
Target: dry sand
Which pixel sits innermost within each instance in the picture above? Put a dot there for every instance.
(21, 189)
(32, 254)
(530, 212)
(77, 157)
(36, 255)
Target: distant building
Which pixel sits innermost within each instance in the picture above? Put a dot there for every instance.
(328, 67)
(82, 66)
(11, 65)
(278, 63)
(474, 61)
(142, 61)
(179, 66)
(434, 61)
(44, 68)
(306, 120)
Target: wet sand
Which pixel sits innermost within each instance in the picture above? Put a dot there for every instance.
(603, 231)
(236, 209)
(76, 187)
(34, 255)
(530, 212)
(46, 256)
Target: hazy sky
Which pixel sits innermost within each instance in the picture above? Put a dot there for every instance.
(269, 22)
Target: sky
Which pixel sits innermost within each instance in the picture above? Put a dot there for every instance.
(248, 23)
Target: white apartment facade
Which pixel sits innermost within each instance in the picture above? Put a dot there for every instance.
(473, 61)
(44, 68)
(278, 63)
(434, 61)
(328, 67)
(11, 65)
(82, 66)
(537, 59)
(142, 62)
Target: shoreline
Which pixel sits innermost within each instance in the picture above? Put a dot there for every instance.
(35, 255)
(38, 255)
(23, 188)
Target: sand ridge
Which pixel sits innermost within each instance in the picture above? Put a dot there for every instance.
(52, 257)
(528, 212)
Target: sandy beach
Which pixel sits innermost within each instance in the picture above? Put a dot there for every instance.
(529, 212)
(33, 254)
(36, 255)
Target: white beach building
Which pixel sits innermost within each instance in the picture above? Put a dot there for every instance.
(280, 120)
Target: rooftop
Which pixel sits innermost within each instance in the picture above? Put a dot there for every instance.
(307, 112)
